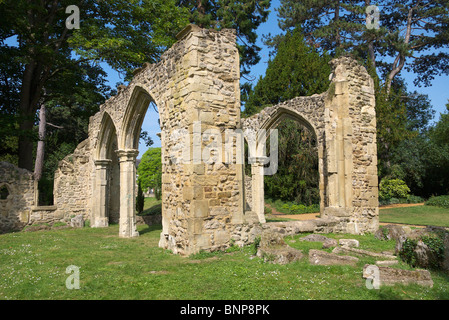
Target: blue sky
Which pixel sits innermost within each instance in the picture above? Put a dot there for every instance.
(438, 92)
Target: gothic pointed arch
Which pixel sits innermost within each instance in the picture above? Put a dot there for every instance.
(281, 113)
(134, 115)
(107, 138)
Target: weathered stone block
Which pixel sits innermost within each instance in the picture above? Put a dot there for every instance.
(318, 257)
(351, 243)
(391, 276)
(200, 208)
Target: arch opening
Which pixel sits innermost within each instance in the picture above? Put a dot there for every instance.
(106, 209)
(296, 184)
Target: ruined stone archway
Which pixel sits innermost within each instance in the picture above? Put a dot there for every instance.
(268, 120)
(343, 120)
(195, 86)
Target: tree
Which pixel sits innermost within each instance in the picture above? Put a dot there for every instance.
(297, 178)
(423, 160)
(416, 32)
(413, 32)
(439, 163)
(149, 171)
(140, 200)
(120, 32)
(296, 70)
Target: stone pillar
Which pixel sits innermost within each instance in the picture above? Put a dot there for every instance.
(257, 172)
(100, 217)
(339, 152)
(127, 159)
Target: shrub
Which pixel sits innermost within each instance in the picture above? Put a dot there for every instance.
(393, 188)
(394, 201)
(435, 245)
(267, 210)
(414, 199)
(438, 201)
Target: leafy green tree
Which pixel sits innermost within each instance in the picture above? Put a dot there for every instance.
(122, 33)
(149, 171)
(412, 34)
(297, 178)
(296, 70)
(439, 168)
(393, 188)
(423, 160)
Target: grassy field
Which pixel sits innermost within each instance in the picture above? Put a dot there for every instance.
(417, 215)
(152, 206)
(33, 266)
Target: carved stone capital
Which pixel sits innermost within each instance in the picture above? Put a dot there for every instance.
(127, 155)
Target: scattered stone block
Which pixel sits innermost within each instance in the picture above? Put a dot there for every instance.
(330, 243)
(390, 232)
(273, 249)
(386, 263)
(314, 238)
(282, 255)
(361, 252)
(77, 221)
(350, 243)
(318, 257)
(392, 276)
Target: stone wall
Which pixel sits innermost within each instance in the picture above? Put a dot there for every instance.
(72, 184)
(343, 120)
(201, 197)
(19, 210)
(352, 148)
(195, 86)
(15, 209)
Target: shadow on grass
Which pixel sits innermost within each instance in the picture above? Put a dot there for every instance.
(153, 210)
(151, 228)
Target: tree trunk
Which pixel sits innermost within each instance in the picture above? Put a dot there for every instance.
(371, 52)
(336, 20)
(399, 62)
(39, 164)
(30, 94)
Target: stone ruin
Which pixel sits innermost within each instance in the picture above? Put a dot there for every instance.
(209, 205)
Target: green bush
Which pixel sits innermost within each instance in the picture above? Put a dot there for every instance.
(292, 207)
(436, 246)
(393, 188)
(410, 199)
(414, 199)
(300, 208)
(438, 201)
(394, 201)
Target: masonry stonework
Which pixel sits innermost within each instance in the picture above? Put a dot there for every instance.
(343, 121)
(207, 202)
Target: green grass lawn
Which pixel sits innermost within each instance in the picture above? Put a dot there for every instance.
(33, 266)
(152, 206)
(417, 215)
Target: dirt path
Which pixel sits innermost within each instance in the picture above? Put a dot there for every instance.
(304, 216)
(309, 216)
(399, 205)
